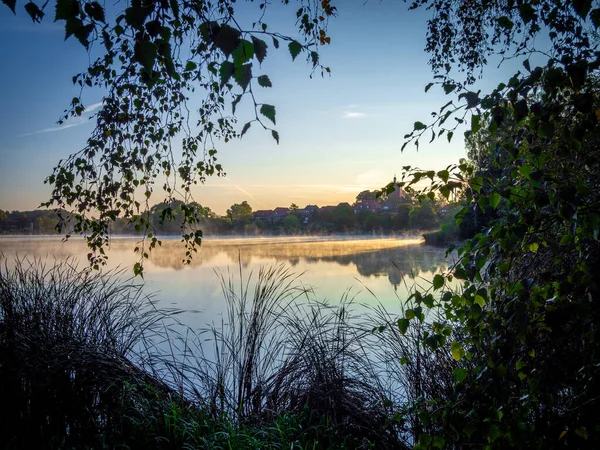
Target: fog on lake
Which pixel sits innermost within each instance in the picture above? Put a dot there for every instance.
(369, 270)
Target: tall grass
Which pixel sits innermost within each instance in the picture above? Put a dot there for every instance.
(87, 360)
(71, 346)
(280, 353)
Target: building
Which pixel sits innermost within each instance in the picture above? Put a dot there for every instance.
(396, 198)
(367, 205)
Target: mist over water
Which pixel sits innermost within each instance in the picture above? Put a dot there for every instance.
(369, 270)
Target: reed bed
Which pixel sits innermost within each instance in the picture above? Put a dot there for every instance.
(87, 360)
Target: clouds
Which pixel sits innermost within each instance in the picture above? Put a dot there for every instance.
(352, 114)
(73, 122)
(373, 177)
(93, 107)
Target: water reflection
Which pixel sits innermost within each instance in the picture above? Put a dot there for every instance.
(372, 271)
(395, 259)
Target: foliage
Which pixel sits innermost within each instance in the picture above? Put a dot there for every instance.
(525, 315)
(240, 212)
(423, 216)
(366, 195)
(31, 222)
(291, 224)
(149, 58)
(343, 217)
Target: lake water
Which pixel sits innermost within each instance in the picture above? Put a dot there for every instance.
(370, 270)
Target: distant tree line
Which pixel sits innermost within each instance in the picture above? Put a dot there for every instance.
(372, 213)
(28, 222)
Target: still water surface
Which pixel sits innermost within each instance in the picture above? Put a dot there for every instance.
(370, 270)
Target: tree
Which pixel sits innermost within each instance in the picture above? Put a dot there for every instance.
(151, 57)
(366, 195)
(520, 330)
(422, 216)
(3, 215)
(343, 217)
(45, 225)
(402, 218)
(240, 212)
(291, 224)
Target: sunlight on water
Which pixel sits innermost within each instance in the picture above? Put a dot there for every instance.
(368, 270)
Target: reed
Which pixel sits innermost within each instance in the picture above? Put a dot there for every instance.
(88, 360)
(72, 347)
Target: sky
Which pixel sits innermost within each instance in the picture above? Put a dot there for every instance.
(339, 134)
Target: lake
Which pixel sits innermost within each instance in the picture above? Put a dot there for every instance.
(369, 270)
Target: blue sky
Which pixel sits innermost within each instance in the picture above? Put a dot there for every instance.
(339, 134)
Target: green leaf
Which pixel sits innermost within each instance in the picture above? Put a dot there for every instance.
(66, 9)
(208, 30)
(448, 87)
(243, 53)
(521, 109)
(135, 16)
(314, 56)
(227, 39)
(275, 42)
(479, 300)
(595, 16)
(419, 126)
(246, 128)
(242, 75)
(275, 135)
(526, 12)
(95, 11)
(477, 183)
(495, 199)
(11, 4)
(260, 49)
(582, 7)
(493, 433)
(444, 175)
(226, 71)
(34, 12)
(428, 301)
(295, 48)
(269, 112)
(264, 81)
(525, 170)
(403, 325)
(460, 374)
(428, 87)
(145, 53)
(191, 65)
(483, 203)
(457, 351)
(438, 282)
(546, 130)
(520, 364)
(235, 102)
(505, 22)
(439, 442)
(138, 270)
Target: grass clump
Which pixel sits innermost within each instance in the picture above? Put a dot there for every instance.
(88, 361)
(72, 349)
